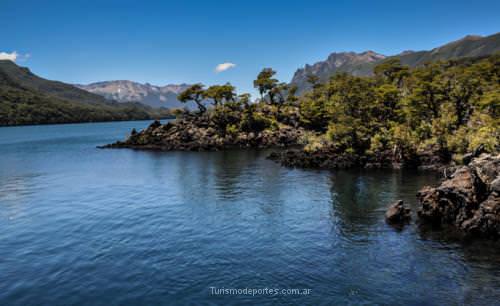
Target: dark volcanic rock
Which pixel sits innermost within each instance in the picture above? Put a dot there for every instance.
(325, 158)
(467, 158)
(397, 214)
(469, 199)
(199, 133)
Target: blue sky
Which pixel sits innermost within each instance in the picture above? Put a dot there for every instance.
(164, 42)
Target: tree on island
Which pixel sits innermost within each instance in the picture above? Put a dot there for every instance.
(445, 107)
(266, 84)
(220, 94)
(194, 93)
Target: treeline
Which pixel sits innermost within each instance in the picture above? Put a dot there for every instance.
(449, 107)
(28, 99)
(19, 106)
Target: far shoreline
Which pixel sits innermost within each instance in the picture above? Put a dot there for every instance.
(83, 122)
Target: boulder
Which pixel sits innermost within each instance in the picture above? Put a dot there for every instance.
(398, 214)
(469, 199)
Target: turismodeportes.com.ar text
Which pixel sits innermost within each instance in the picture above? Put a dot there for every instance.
(259, 291)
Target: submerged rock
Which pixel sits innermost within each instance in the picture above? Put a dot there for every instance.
(469, 199)
(398, 214)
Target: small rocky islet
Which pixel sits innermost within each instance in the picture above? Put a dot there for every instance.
(200, 134)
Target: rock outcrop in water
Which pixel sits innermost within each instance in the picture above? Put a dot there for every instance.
(469, 199)
(329, 158)
(397, 214)
(197, 133)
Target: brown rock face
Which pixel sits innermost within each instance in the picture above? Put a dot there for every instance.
(397, 214)
(469, 199)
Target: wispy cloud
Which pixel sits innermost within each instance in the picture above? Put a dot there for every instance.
(224, 66)
(14, 56)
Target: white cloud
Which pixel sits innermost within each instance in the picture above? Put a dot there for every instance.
(9, 56)
(224, 67)
(14, 56)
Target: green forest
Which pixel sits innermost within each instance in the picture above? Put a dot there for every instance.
(21, 106)
(446, 107)
(28, 99)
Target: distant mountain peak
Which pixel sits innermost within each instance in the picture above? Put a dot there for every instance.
(336, 62)
(472, 37)
(129, 91)
(406, 52)
(362, 64)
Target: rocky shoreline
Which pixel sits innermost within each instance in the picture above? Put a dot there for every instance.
(328, 158)
(468, 199)
(197, 134)
(466, 202)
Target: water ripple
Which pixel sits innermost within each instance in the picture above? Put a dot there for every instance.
(85, 226)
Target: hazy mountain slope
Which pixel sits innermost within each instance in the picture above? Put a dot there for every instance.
(469, 46)
(22, 76)
(128, 91)
(363, 63)
(28, 99)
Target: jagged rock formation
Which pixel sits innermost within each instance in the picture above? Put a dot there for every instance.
(128, 91)
(469, 199)
(359, 64)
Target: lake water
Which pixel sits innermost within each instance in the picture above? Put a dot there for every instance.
(80, 225)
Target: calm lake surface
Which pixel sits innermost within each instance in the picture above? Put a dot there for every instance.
(80, 225)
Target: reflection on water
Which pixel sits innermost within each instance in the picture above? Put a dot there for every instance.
(82, 225)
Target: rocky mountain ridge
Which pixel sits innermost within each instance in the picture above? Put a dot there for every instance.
(129, 91)
(362, 64)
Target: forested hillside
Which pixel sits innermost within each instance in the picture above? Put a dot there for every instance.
(28, 99)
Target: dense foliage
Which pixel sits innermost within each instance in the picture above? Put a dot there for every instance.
(449, 107)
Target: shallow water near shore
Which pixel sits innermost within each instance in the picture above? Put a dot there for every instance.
(81, 225)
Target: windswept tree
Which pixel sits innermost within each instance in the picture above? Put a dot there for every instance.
(266, 84)
(194, 93)
(283, 93)
(220, 93)
(244, 99)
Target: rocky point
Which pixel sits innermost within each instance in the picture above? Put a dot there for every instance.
(468, 199)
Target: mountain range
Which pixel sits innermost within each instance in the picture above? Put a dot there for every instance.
(26, 98)
(362, 64)
(129, 91)
(359, 64)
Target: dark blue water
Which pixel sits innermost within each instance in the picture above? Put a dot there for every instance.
(79, 225)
